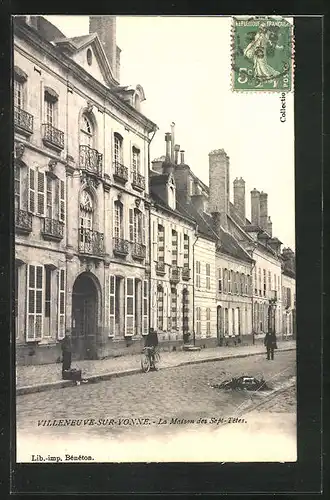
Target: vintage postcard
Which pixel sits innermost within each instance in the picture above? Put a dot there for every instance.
(155, 303)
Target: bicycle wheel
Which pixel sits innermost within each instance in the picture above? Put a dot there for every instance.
(145, 363)
(157, 357)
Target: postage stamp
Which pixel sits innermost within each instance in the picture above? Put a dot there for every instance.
(262, 54)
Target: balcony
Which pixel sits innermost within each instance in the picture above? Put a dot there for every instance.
(138, 181)
(23, 221)
(138, 251)
(175, 274)
(160, 268)
(120, 247)
(186, 273)
(120, 172)
(90, 160)
(91, 242)
(53, 229)
(53, 137)
(23, 121)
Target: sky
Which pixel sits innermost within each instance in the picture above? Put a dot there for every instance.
(184, 67)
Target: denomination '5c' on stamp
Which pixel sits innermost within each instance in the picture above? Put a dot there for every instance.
(262, 54)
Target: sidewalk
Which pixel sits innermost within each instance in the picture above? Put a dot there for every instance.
(37, 378)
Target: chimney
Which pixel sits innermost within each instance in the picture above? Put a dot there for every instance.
(172, 141)
(255, 207)
(219, 222)
(239, 198)
(167, 164)
(219, 184)
(176, 153)
(263, 210)
(269, 227)
(105, 27)
(182, 157)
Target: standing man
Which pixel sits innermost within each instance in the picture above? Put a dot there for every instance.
(152, 342)
(270, 343)
(66, 354)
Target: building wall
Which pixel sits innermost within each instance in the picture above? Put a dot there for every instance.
(230, 298)
(205, 293)
(75, 95)
(288, 306)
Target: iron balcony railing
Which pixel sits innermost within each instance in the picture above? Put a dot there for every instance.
(185, 273)
(138, 251)
(138, 181)
(53, 136)
(175, 274)
(120, 172)
(120, 246)
(90, 160)
(91, 242)
(23, 221)
(53, 229)
(23, 120)
(160, 268)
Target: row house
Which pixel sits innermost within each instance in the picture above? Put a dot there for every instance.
(81, 193)
(288, 294)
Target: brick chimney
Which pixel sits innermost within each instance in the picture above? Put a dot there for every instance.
(269, 227)
(239, 198)
(168, 166)
(219, 185)
(176, 153)
(263, 210)
(105, 27)
(255, 207)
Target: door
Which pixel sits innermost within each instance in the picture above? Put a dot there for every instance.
(84, 318)
(220, 325)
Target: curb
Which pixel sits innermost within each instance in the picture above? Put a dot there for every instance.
(30, 389)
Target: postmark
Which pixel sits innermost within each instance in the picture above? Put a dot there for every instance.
(262, 54)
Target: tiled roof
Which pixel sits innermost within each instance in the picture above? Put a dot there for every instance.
(160, 202)
(77, 41)
(159, 179)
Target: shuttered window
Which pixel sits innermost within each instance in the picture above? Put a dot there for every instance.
(62, 201)
(61, 304)
(35, 302)
(40, 193)
(131, 225)
(31, 192)
(198, 321)
(160, 308)
(130, 307)
(145, 308)
(208, 322)
(208, 276)
(198, 274)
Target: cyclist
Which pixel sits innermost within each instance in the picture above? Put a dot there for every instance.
(151, 341)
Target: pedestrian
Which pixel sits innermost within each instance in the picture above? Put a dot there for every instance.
(270, 344)
(151, 342)
(66, 354)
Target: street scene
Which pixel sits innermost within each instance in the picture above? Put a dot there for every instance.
(155, 275)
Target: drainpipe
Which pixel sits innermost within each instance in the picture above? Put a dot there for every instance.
(150, 243)
(193, 301)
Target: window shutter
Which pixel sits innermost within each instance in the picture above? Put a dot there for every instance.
(145, 326)
(31, 191)
(41, 193)
(130, 307)
(35, 303)
(143, 229)
(112, 305)
(62, 201)
(131, 224)
(61, 303)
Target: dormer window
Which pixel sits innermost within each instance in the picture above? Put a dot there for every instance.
(118, 148)
(89, 57)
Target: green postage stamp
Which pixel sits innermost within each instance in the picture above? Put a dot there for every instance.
(262, 58)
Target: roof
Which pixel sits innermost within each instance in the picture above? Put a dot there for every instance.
(230, 246)
(188, 210)
(159, 178)
(161, 203)
(290, 273)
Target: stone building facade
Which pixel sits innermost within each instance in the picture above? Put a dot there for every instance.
(81, 194)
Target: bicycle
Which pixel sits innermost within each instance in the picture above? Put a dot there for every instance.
(146, 358)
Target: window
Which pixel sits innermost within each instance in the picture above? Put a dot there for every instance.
(198, 274)
(118, 148)
(186, 251)
(17, 187)
(275, 282)
(145, 313)
(174, 309)
(220, 280)
(160, 308)
(208, 276)
(89, 57)
(161, 244)
(264, 282)
(198, 321)
(255, 282)
(118, 223)
(225, 280)
(35, 303)
(87, 131)
(208, 322)
(130, 307)
(247, 283)
(48, 299)
(237, 283)
(174, 248)
(135, 161)
(112, 305)
(139, 227)
(226, 325)
(49, 112)
(61, 304)
(233, 321)
(269, 280)
(185, 310)
(86, 218)
(259, 280)
(229, 280)
(18, 94)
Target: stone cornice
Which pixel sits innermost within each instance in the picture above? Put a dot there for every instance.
(27, 33)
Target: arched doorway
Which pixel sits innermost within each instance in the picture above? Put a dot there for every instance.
(84, 317)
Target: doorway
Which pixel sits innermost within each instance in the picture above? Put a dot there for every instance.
(84, 317)
(220, 325)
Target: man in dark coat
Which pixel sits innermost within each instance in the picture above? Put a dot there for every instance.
(270, 343)
(151, 341)
(66, 354)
